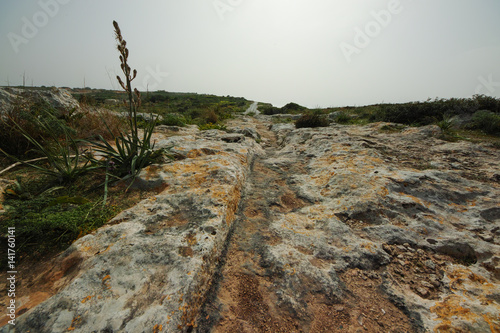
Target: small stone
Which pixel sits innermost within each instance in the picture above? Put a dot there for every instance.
(422, 291)
(486, 237)
(426, 284)
(430, 264)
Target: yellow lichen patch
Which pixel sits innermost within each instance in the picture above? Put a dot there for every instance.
(296, 223)
(462, 278)
(88, 298)
(106, 281)
(191, 239)
(193, 153)
(75, 322)
(415, 199)
(368, 246)
(459, 208)
(438, 219)
(157, 328)
(455, 306)
(289, 269)
(383, 192)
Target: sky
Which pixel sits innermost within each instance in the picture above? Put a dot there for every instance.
(317, 53)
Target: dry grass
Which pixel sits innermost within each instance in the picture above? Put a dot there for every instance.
(92, 122)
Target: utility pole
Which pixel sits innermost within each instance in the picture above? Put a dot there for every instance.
(84, 82)
(24, 79)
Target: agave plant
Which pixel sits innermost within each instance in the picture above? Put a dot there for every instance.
(131, 152)
(65, 160)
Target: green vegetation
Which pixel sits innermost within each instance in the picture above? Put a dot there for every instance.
(65, 162)
(312, 120)
(63, 199)
(480, 113)
(211, 126)
(175, 109)
(133, 152)
(50, 220)
(486, 121)
(290, 108)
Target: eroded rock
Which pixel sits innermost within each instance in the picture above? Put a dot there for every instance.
(339, 229)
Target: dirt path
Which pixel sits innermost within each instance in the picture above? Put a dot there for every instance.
(250, 294)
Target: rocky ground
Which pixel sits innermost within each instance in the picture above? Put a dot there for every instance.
(273, 229)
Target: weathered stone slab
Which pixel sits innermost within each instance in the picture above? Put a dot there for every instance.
(149, 268)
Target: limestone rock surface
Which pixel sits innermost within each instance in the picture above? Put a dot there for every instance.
(56, 97)
(336, 229)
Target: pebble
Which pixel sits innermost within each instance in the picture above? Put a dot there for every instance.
(430, 264)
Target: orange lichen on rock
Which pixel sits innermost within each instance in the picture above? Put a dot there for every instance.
(88, 298)
(75, 322)
(454, 306)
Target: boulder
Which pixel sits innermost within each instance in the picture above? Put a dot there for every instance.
(56, 97)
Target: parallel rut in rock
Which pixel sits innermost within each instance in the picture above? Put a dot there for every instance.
(256, 292)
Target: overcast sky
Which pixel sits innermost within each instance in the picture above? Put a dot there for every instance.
(318, 53)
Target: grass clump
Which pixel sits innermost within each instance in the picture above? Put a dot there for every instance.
(48, 219)
(210, 126)
(312, 120)
(343, 118)
(392, 128)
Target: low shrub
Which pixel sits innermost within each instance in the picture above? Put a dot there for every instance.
(292, 108)
(487, 122)
(210, 117)
(311, 120)
(343, 118)
(172, 120)
(446, 123)
(268, 109)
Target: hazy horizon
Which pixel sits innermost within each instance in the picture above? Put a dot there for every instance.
(317, 53)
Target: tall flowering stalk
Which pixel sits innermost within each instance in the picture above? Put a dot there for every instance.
(134, 97)
(131, 153)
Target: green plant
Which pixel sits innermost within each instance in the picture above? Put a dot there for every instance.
(46, 223)
(487, 122)
(392, 128)
(311, 120)
(211, 117)
(210, 126)
(64, 160)
(25, 114)
(343, 118)
(172, 120)
(446, 123)
(132, 152)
